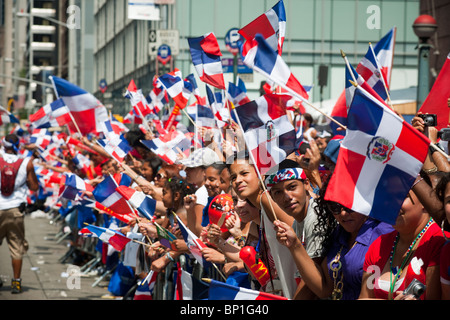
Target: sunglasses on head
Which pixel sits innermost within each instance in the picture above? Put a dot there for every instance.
(336, 208)
(159, 176)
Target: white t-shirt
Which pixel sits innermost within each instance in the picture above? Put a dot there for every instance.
(305, 232)
(202, 196)
(20, 188)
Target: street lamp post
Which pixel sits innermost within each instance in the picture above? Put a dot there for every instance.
(424, 27)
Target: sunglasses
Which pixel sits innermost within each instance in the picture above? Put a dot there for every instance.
(336, 208)
(159, 176)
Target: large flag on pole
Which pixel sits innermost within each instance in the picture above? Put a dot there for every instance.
(205, 53)
(272, 26)
(379, 159)
(86, 110)
(436, 101)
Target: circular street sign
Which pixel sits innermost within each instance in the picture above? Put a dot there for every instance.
(231, 40)
(164, 54)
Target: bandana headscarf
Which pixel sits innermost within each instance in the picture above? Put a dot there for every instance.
(283, 175)
(9, 144)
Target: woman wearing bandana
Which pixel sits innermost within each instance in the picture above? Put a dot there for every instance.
(11, 202)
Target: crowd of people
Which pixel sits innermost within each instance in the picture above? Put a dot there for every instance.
(304, 247)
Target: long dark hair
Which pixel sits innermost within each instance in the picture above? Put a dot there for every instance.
(326, 222)
(176, 184)
(440, 193)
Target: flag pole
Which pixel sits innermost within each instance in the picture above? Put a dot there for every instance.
(214, 265)
(381, 76)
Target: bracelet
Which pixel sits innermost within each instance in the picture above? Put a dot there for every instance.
(225, 260)
(432, 170)
(416, 182)
(169, 257)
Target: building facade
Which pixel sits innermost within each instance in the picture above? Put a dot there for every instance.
(316, 31)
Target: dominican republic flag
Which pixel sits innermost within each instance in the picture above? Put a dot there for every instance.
(112, 128)
(272, 26)
(137, 99)
(189, 288)
(268, 133)
(126, 217)
(144, 291)
(113, 237)
(144, 205)
(436, 101)
(379, 159)
(72, 185)
(118, 147)
(261, 58)
(54, 114)
(79, 144)
(169, 147)
(379, 58)
(41, 138)
(84, 164)
(195, 90)
(7, 117)
(218, 106)
(224, 291)
(205, 53)
(158, 96)
(178, 89)
(203, 116)
(237, 93)
(340, 114)
(86, 110)
(105, 193)
(195, 245)
(384, 53)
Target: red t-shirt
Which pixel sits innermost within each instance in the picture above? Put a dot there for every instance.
(445, 262)
(427, 255)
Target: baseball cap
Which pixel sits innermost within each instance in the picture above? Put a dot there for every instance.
(201, 157)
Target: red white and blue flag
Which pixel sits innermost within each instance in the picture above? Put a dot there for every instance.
(170, 146)
(383, 54)
(118, 147)
(436, 100)
(53, 114)
(178, 89)
(113, 237)
(72, 185)
(41, 138)
(272, 26)
(339, 113)
(140, 201)
(237, 93)
(145, 289)
(224, 291)
(268, 133)
(205, 54)
(105, 193)
(86, 110)
(137, 99)
(194, 244)
(7, 117)
(379, 159)
(261, 58)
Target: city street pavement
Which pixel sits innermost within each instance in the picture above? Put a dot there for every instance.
(44, 277)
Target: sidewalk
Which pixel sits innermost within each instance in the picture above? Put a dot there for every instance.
(44, 277)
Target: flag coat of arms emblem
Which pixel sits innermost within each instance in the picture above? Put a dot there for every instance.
(269, 135)
(379, 160)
